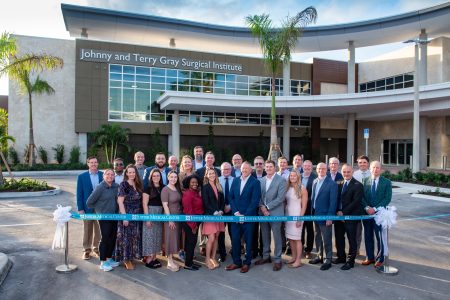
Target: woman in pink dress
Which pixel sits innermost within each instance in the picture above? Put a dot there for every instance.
(297, 200)
(213, 204)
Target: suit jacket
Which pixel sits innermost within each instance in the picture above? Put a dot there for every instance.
(233, 172)
(201, 172)
(351, 199)
(247, 202)
(254, 174)
(84, 190)
(383, 193)
(147, 175)
(193, 164)
(230, 183)
(326, 199)
(338, 177)
(211, 203)
(308, 187)
(274, 198)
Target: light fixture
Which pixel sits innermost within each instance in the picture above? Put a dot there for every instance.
(84, 33)
(172, 43)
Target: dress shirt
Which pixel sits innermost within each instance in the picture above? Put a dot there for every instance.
(94, 179)
(284, 174)
(118, 178)
(305, 180)
(268, 182)
(198, 165)
(237, 172)
(361, 175)
(333, 175)
(222, 182)
(316, 190)
(243, 182)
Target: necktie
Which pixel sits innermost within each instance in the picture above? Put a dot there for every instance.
(344, 188)
(314, 194)
(227, 189)
(373, 190)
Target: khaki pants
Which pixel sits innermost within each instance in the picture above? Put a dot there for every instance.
(91, 235)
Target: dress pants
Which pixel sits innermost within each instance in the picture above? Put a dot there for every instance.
(308, 229)
(257, 240)
(324, 237)
(340, 230)
(237, 230)
(190, 241)
(221, 240)
(108, 241)
(267, 228)
(371, 228)
(359, 226)
(91, 235)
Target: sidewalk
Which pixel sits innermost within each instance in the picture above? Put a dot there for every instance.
(44, 173)
(5, 266)
(413, 188)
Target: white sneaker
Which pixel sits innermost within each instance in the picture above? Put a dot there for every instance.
(112, 262)
(106, 267)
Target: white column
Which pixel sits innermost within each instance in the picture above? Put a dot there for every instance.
(176, 133)
(286, 136)
(423, 78)
(351, 68)
(350, 137)
(423, 142)
(82, 143)
(287, 79)
(416, 128)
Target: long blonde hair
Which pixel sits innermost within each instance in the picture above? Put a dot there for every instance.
(185, 157)
(297, 185)
(216, 182)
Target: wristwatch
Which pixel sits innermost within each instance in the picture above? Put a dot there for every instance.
(366, 208)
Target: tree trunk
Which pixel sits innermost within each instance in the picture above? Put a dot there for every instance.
(6, 165)
(274, 151)
(31, 137)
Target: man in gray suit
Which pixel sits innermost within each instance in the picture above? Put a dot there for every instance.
(273, 192)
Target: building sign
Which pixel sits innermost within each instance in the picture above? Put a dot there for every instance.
(158, 61)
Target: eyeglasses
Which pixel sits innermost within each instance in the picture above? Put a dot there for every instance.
(258, 164)
(117, 165)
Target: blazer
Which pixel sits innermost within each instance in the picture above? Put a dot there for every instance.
(201, 172)
(338, 177)
(84, 190)
(308, 187)
(351, 199)
(147, 175)
(247, 202)
(254, 174)
(274, 198)
(326, 199)
(233, 172)
(212, 204)
(383, 193)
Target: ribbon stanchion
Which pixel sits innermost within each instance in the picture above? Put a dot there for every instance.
(386, 218)
(62, 216)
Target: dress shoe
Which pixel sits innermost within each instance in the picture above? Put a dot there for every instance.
(198, 266)
(308, 255)
(245, 268)
(325, 266)
(338, 261)
(263, 261)
(191, 268)
(86, 256)
(276, 266)
(378, 264)
(129, 265)
(232, 267)
(347, 266)
(222, 258)
(315, 261)
(367, 262)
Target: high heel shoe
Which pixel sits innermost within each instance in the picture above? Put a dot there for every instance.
(129, 265)
(210, 264)
(215, 263)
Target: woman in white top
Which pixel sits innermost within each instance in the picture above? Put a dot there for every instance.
(297, 200)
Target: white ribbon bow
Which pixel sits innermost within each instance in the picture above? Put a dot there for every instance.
(386, 217)
(61, 216)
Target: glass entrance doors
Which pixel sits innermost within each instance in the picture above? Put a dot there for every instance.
(397, 152)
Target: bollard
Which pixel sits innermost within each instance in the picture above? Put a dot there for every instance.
(326, 159)
(66, 268)
(386, 268)
(352, 159)
(444, 162)
(411, 162)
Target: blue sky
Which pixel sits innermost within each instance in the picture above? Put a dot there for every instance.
(44, 18)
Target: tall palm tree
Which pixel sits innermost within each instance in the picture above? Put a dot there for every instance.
(276, 46)
(110, 137)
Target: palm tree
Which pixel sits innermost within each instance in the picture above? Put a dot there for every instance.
(4, 138)
(276, 46)
(110, 137)
(29, 87)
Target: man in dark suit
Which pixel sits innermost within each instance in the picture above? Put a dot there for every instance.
(297, 163)
(160, 163)
(173, 164)
(244, 199)
(308, 226)
(86, 183)
(324, 200)
(210, 160)
(226, 181)
(351, 192)
(258, 173)
(377, 194)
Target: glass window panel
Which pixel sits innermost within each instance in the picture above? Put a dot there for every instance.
(398, 79)
(129, 84)
(254, 93)
(242, 79)
(399, 86)
(158, 117)
(371, 85)
(242, 92)
(196, 75)
(142, 71)
(220, 84)
(254, 80)
(115, 96)
(242, 86)
(231, 85)
(171, 80)
(389, 80)
(143, 85)
(154, 95)
(158, 72)
(158, 86)
(129, 69)
(157, 79)
(168, 117)
(171, 73)
(143, 100)
(295, 122)
(409, 77)
(380, 88)
(409, 84)
(128, 77)
(184, 119)
(128, 100)
(231, 77)
(380, 83)
(184, 74)
(208, 76)
(196, 89)
(115, 116)
(305, 123)
(115, 83)
(389, 87)
(231, 92)
(142, 78)
(220, 77)
(183, 88)
(207, 89)
(115, 76)
(197, 82)
(115, 68)
(171, 87)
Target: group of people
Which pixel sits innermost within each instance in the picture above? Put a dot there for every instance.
(197, 187)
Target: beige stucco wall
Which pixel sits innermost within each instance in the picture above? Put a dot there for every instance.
(327, 88)
(53, 116)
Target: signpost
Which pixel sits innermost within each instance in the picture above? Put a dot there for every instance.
(366, 137)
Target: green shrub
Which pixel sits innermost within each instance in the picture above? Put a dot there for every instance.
(13, 156)
(49, 167)
(74, 156)
(43, 154)
(59, 153)
(25, 185)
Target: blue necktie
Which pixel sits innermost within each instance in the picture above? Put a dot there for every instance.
(344, 188)
(314, 194)
(373, 190)
(227, 189)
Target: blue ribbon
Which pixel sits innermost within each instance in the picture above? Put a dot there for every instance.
(208, 218)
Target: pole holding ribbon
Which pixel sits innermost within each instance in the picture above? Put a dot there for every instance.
(62, 216)
(386, 218)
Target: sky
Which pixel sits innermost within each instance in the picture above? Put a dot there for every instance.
(44, 18)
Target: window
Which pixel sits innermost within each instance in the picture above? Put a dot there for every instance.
(389, 83)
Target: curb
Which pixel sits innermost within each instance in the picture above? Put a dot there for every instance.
(5, 266)
(430, 197)
(56, 191)
(44, 173)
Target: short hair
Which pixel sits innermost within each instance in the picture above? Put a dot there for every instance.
(91, 157)
(160, 153)
(363, 157)
(224, 164)
(333, 159)
(320, 164)
(118, 159)
(210, 153)
(347, 166)
(281, 158)
(375, 162)
(297, 155)
(269, 161)
(139, 152)
(307, 161)
(258, 157)
(198, 147)
(246, 163)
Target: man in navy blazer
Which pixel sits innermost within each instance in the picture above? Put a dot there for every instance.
(324, 201)
(86, 183)
(244, 200)
(160, 162)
